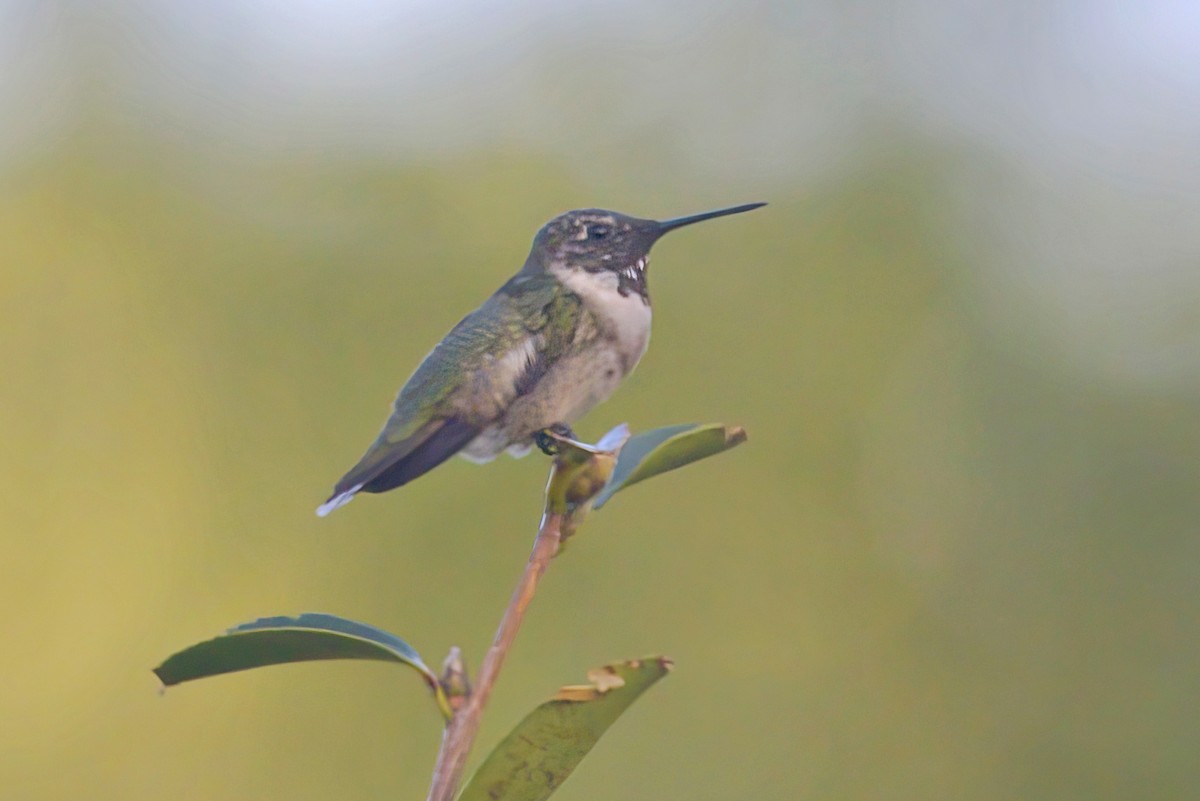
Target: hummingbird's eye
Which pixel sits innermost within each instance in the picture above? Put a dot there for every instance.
(598, 231)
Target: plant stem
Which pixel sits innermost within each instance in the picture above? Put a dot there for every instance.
(460, 734)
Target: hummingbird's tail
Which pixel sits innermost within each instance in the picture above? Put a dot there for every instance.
(386, 465)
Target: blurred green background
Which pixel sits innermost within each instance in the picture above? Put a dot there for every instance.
(957, 559)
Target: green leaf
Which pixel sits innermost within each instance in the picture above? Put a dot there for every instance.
(540, 753)
(663, 449)
(281, 640)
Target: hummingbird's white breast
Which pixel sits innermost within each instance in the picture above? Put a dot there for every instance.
(623, 318)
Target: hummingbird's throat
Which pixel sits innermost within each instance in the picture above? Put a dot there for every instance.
(632, 279)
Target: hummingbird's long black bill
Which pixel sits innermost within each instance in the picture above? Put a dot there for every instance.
(679, 222)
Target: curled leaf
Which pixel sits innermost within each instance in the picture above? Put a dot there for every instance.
(540, 753)
(282, 640)
(663, 449)
(581, 470)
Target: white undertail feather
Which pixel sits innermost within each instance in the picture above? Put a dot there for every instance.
(518, 451)
(338, 501)
(475, 458)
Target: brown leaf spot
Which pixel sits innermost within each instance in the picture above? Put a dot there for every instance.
(605, 678)
(577, 693)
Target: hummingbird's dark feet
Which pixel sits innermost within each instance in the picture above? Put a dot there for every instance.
(545, 440)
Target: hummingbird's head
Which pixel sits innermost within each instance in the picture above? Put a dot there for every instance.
(603, 243)
(613, 247)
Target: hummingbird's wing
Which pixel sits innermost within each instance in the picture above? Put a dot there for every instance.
(494, 354)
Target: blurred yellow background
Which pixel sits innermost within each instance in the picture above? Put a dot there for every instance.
(957, 558)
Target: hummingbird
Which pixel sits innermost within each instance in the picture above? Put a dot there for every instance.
(555, 340)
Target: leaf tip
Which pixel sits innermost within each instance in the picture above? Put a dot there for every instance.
(164, 677)
(734, 435)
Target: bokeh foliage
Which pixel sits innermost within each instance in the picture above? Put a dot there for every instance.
(958, 561)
